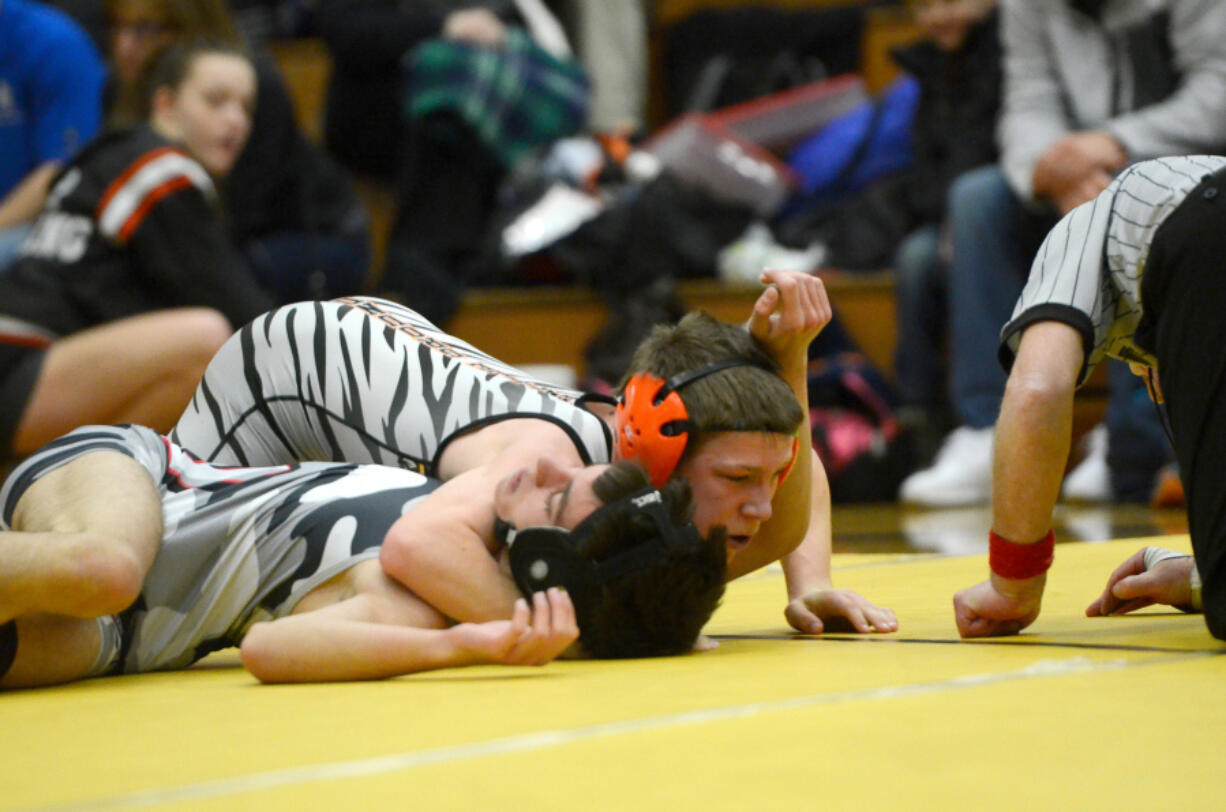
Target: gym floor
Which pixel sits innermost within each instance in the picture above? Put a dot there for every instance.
(1077, 713)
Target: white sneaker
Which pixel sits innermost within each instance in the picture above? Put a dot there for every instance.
(960, 475)
(1090, 481)
(744, 260)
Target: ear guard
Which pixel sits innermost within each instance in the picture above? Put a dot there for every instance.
(652, 423)
(543, 557)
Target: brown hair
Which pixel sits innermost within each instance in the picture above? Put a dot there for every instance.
(186, 20)
(753, 397)
(171, 66)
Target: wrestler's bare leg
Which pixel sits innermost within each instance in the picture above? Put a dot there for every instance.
(83, 538)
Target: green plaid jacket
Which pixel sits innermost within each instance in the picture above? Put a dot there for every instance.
(516, 98)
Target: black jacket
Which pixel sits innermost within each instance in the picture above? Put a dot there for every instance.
(131, 225)
(367, 40)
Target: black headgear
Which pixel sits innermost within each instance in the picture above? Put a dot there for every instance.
(542, 557)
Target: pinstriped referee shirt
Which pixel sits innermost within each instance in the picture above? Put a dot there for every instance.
(1088, 271)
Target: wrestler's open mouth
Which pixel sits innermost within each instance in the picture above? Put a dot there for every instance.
(739, 542)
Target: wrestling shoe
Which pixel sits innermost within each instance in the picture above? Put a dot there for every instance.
(1090, 481)
(960, 475)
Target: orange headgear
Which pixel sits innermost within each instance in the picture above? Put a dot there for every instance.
(653, 424)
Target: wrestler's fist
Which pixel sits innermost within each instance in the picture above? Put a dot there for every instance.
(998, 606)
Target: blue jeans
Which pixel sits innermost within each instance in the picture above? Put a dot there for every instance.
(920, 281)
(1137, 446)
(995, 239)
(295, 266)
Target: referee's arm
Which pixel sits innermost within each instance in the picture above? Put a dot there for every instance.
(1033, 433)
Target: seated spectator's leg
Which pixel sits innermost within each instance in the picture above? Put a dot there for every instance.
(920, 284)
(445, 196)
(993, 244)
(295, 267)
(84, 536)
(920, 288)
(611, 40)
(1137, 447)
(142, 369)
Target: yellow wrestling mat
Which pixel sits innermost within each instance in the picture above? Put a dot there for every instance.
(1077, 714)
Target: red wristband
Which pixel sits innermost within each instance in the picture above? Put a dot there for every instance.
(1020, 561)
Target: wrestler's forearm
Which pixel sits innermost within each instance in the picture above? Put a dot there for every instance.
(804, 496)
(808, 566)
(314, 649)
(458, 577)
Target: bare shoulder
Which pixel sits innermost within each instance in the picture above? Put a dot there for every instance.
(504, 443)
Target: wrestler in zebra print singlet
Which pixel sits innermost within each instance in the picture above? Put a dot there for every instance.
(363, 380)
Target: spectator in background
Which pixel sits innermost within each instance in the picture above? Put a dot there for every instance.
(958, 66)
(445, 97)
(1091, 86)
(611, 42)
(897, 220)
(50, 104)
(293, 213)
(129, 231)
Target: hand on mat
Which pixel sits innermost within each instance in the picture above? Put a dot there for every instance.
(1132, 587)
(998, 606)
(838, 610)
(788, 316)
(530, 637)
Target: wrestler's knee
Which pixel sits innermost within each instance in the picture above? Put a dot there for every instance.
(100, 576)
(205, 331)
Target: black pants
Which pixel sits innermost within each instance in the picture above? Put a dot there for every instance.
(1184, 293)
(446, 190)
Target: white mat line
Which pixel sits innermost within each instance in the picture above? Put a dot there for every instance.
(397, 762)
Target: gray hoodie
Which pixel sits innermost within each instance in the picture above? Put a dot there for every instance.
(1150, 72)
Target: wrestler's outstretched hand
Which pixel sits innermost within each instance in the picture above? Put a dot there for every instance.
(998, 606)
(838, 610)
(1133, 585)
(788, 316)
(531, 637)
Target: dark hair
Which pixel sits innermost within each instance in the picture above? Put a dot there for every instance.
(753, 397)
(185, 20)
(171, 65)
(189, 18)
(660, 608)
